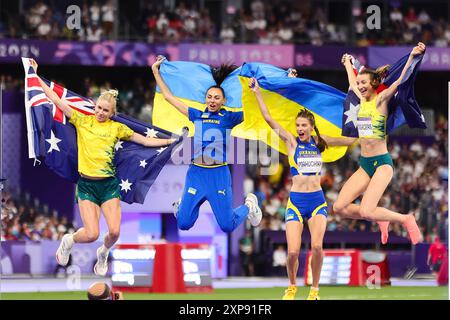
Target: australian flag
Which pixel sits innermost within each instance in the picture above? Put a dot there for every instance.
(402, 107)
(53, 138)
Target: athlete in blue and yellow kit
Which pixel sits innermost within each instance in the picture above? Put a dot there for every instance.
(376, 166)
(97, 187)
(306, 200)
(208, 177)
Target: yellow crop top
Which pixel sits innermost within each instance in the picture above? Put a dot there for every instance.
(371, 123)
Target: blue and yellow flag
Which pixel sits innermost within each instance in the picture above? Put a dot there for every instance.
(284, 97)
(189, 81)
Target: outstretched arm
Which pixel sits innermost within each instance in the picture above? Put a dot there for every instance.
(341, 141)
(285, 135)
(346, 61)
(177, 103)
(387, 94)
(151, 142)
(61, 104)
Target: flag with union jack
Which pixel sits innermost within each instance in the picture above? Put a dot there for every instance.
(402, 108)
(53, 138)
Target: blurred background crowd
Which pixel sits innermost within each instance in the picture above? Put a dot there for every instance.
(256, 21)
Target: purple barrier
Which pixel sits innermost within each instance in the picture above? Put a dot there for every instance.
(399, 261)
(110, 53)
(107, 53)
(420, 257)
(215, 54)
(436, 59)
(327, 57)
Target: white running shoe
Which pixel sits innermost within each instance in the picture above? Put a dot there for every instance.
(176, 207)
(101, 267)
(255, 213)
(63, 252)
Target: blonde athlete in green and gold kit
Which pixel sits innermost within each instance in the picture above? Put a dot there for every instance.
(376, 166)
(97, 187)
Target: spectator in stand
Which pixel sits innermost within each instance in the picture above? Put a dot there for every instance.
(190, 27)
(44, 29)
(205, 27)
(108, 10)
(396, 16)
(246, 254)
(227, 35)
(94, 33)
(94, 13)
(279, 258)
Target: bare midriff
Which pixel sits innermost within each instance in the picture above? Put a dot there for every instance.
(306, 183)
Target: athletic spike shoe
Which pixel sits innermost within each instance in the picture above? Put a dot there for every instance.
(255, 213)
(289, 293)
(63, 252)
(313, 294)
(176, 207)
(101, 267)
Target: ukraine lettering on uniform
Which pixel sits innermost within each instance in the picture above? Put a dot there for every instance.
(211, 121)
(308, 152)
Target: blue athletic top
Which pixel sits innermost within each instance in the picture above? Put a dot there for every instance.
(307, 159)
(212, 132)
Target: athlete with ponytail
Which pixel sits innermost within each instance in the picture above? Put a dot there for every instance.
(376, 170)
(306, 199)
(97, 187)
(208, 177)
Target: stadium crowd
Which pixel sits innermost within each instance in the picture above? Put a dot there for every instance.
(258, 21)
(23, 219)
(419, 186)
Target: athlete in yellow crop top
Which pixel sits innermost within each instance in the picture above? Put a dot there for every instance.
(376, 168)
(97, 188)
(371, 122)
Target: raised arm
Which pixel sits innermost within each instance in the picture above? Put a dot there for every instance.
(341, 141)
(285, 135)
(61, 104)
(346, 61)
(387, 94)
(177, 103)
(151, 142)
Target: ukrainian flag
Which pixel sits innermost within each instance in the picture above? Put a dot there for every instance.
(188, 81)
(284, 97)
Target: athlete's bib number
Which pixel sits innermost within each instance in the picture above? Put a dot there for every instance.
(365, 128)
(309, 164)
